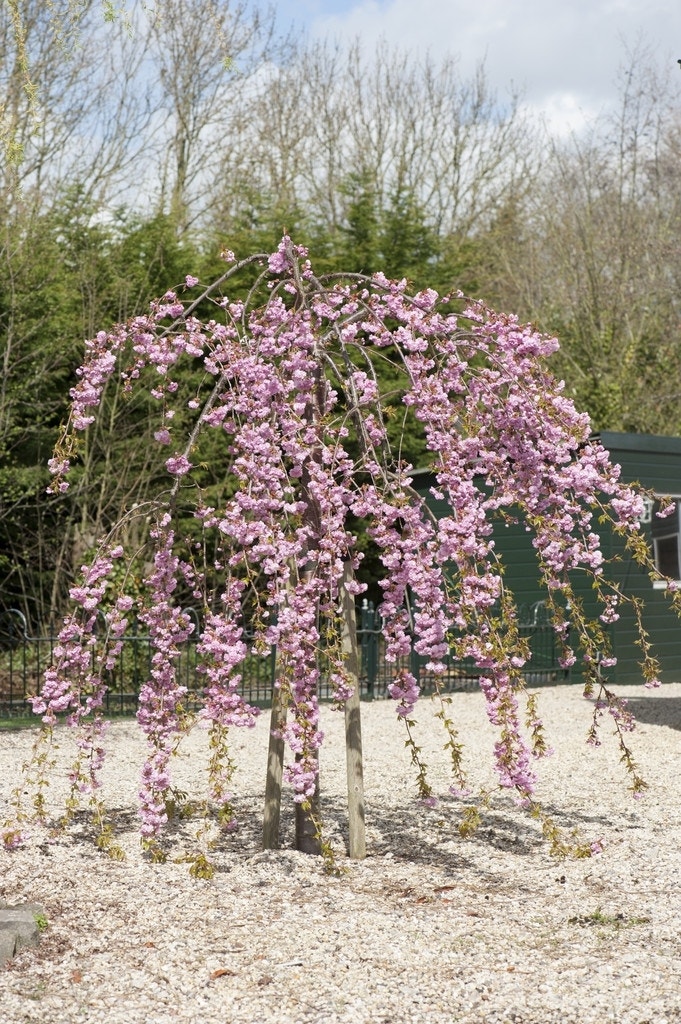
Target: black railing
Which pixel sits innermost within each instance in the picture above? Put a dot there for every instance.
(534, 626)
(24, 658)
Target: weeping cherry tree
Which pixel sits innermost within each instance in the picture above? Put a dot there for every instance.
(289, 382)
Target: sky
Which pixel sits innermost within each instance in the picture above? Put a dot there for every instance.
(563, 55)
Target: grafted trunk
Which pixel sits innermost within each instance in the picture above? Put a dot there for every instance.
(308, 818)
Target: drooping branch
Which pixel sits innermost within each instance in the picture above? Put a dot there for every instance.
(290, 387)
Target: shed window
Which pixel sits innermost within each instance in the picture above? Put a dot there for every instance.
(667, 542)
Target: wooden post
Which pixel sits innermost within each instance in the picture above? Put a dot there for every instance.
(275, 771)
(353, 726)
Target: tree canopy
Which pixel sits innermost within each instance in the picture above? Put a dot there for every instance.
(282, 391)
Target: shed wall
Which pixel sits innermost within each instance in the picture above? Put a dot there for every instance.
(655, 463)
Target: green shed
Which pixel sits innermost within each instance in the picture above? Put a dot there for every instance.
(655, 463)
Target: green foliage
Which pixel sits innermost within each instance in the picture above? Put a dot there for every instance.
(598, 918)
(392, 235)
(201, 867)
(69, 272)
(41, 922)
(360, 236)
(409, 245)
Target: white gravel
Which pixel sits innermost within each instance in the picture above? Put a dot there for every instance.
(429, 928)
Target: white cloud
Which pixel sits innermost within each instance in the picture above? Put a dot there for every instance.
(563, 56)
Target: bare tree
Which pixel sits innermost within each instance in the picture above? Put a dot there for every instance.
(594, 255)
(407, 124)
(85, 112)
(203, 54)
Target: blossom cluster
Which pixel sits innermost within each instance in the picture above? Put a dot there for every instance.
(292, 392)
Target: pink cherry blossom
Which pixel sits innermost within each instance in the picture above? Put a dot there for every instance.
(293, 399)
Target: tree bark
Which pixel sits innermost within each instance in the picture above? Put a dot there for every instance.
(308, 839)
(275, 770)
(353, 727)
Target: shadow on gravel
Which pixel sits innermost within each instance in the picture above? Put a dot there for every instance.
(406, 832)
(572, 818)
(81, 827)
(427, 836)
(657, 710)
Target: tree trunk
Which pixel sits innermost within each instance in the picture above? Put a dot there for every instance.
(353, 727)
(275, 770)
(308, 839)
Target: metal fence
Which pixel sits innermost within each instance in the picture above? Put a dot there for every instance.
(24, 658)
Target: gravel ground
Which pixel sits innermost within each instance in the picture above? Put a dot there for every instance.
(429, 928)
